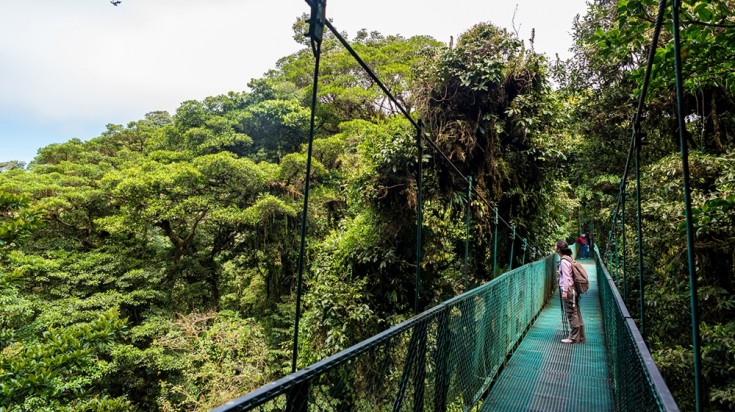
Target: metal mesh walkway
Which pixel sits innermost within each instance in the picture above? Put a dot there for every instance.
(546, 375)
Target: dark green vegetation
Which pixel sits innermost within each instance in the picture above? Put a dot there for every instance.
(153, 267)
(603, 81)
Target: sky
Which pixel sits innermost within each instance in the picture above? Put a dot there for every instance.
(69, 68)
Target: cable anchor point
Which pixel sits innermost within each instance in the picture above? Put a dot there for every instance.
(317, 19)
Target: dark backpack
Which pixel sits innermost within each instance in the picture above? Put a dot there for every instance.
(579, 275)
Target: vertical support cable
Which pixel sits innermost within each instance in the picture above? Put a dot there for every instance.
(316, 46)
(580, 215)
(495, 247)
(512, 244)
(419, 131)
(641, 296)
(617, 251)
(688, 210)
(612, 243)
(441, 360)
(637, 142)
(613, 252)
(419, 215)
(419, 372)
(622, 218)
(524, 247)
(467, 233)
(593, 235)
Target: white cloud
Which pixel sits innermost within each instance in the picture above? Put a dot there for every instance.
(87, 59)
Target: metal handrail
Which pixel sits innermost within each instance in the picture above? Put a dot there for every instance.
(439, 316)
(631, 337)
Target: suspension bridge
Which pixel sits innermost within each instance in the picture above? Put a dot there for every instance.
(497, 346)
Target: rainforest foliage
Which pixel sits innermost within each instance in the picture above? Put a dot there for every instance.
(604, 78)
(153, 267)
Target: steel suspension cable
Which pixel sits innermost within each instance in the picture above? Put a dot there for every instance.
(316, 46)
(644, 88)
(688, 210)
(634, 153)
(419, 132)
(639, 229)
(635, 148)
(419, 216)
(617, 250)
(512, 244)
(495, 243)
(372, 75)
(405, 113)
(524, 246)
(468, 216)
(637, 141)
(454, 167)
(622, 228)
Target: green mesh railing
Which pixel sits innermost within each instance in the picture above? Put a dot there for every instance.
(637, 383)
(444, 358)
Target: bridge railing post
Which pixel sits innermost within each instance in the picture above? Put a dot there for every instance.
(495, 243)
(419, 384)
(297, 399)
(512, 244)
(416, 362)
(443, 375)
(524, 247)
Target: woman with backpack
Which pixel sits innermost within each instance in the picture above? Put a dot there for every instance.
(569, 294)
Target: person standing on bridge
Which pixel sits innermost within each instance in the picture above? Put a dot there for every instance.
(569, 295)
(586, 245)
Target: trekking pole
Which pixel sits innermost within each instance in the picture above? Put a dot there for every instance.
(563, 317)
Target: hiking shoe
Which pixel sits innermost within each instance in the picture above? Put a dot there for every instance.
(567, 341)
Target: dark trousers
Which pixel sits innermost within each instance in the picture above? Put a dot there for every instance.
(574, 315)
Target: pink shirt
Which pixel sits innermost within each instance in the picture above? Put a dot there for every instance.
(565, 275)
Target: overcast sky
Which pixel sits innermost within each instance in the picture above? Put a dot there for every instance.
(68, 68)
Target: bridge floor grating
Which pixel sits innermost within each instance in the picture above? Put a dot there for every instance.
(546, 375)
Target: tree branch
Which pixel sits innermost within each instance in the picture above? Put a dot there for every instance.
(701, 23)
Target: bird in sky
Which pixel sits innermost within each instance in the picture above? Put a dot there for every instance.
(115, 2)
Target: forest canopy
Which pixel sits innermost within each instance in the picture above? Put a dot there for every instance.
(153, 267)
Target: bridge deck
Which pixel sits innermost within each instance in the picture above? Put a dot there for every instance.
(547, 375)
